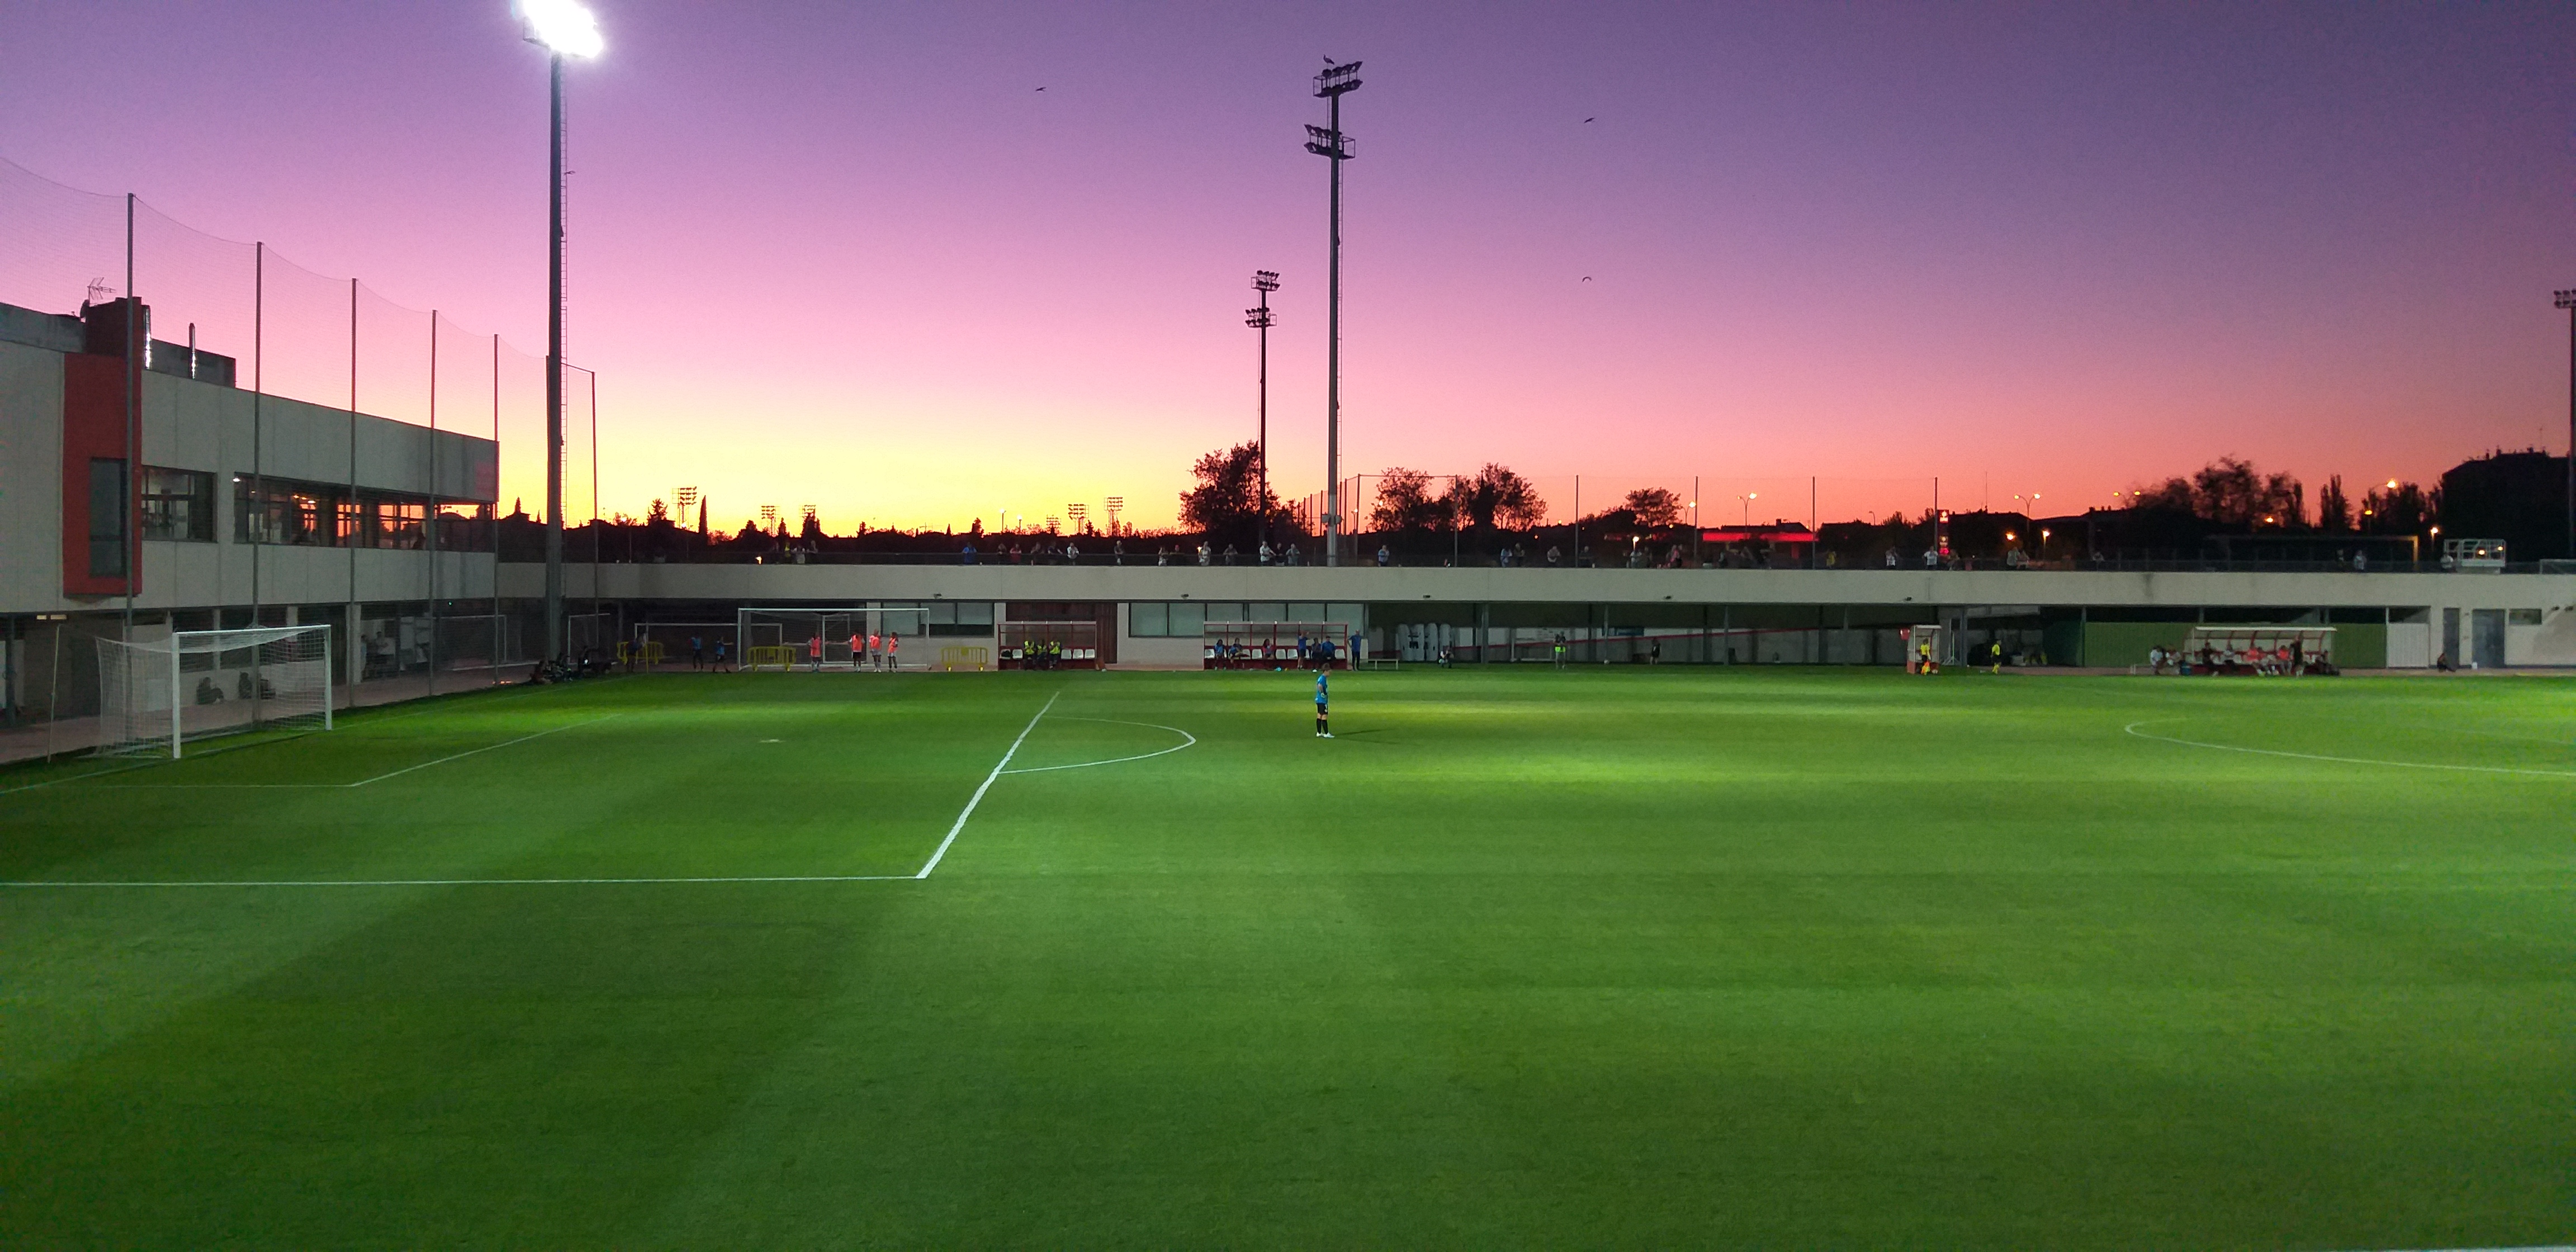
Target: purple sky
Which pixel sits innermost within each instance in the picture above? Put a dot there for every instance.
(852, 257)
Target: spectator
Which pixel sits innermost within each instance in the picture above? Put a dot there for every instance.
(966, 555)
(1264, 557)
(1203, 553)
(1383, 556)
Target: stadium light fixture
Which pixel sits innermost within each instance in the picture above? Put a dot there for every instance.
(564, 28)
(561, 26)
(1265, 282)
(1329, 142)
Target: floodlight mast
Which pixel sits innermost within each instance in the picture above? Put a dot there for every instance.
(1265, 282)
(1329, 142)
(563, 28)
(2567, 300)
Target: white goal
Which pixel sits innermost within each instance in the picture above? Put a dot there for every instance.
(158, 696)
(835, 638)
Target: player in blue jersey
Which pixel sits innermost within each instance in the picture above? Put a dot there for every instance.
(1323, 728)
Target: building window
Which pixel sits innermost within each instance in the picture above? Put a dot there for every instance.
(276, 510)
(2522, 617)
(972, 618)
(106, 517)
(178, 504)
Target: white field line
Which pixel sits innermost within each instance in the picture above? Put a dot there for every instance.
(472, 882)
(347, 785)
(475, 751)
(978, 798)
(56, 782)
(953, 830)
(2132, 728)
(1187, 740)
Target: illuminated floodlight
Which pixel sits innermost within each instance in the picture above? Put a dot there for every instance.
(563, 26)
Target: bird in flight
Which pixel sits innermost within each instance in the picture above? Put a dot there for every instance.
(1587, 278)
(1041, 88)
(1587, 121)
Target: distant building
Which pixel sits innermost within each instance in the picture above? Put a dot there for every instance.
(2519, 497)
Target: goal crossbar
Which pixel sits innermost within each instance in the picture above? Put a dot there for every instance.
(160, 694)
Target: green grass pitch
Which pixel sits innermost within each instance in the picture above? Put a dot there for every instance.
(1779, 958)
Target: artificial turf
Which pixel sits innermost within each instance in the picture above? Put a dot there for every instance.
(1520, 957)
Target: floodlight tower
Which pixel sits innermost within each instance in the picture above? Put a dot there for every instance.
(564, 29)
(1329, 142)
(2567, 300)
(1265, 282)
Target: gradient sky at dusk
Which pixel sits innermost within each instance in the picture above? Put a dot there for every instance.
(851, 256)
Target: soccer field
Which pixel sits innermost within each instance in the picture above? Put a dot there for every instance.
(1644, 957)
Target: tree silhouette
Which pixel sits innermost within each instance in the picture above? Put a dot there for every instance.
(1228, 504)
(1405, 503)
(1655, 507)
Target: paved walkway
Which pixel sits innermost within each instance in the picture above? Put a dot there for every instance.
(80, 734)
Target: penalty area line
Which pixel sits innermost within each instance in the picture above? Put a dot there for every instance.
(2132, 728)
(978, 797)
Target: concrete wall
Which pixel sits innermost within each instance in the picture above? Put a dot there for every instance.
(847, 584)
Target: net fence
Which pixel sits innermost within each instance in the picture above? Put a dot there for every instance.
(242, 314)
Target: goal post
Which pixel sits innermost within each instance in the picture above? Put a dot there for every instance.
(158, 696)
(796, 637)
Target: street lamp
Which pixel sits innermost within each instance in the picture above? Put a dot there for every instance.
(564, 29)
(1265, 282)
(1329, 142)
(1748, 498)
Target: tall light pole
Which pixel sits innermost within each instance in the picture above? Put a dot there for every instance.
(2567, 300)
(1329, 142)
(563, 28)
(1265, 282)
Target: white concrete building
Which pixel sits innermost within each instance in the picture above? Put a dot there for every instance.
(142, 493)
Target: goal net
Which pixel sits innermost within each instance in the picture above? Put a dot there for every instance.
(827, 638)
(158, 696)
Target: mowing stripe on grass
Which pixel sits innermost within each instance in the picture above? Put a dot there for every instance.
(2132, 728)
(978, 797)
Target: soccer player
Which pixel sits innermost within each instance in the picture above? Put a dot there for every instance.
(1323, 726)
(814, 651)
(892, 642)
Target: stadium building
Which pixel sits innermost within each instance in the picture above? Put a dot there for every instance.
(1142, 615)
(147, 492)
